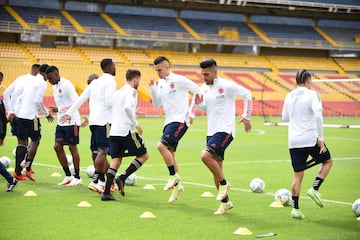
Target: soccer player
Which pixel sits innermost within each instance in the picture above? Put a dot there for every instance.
(124, 141)
(85, 123)
(303, 110)
(26, 99)
(171, 92)
(12, 182)
(100, 94)
(218, 99)
(67, 133)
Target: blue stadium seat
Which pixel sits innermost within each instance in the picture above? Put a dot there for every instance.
(30, 14)
(150, 23)
(89, 19)
(5, 16)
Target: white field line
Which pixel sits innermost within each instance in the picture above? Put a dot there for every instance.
(212, 187)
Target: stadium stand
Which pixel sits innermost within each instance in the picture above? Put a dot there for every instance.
(269, 73)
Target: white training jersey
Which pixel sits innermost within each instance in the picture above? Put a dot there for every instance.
(172, 93)
(8, 94)
(219, 102)
(65, 95)
(100, 94)
(123, 118)
(31, 93)
(303, 110)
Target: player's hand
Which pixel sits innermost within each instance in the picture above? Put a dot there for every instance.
(198, 99)
(247, 124)
(321, 145)
(50, 118)
(11, 117)
(85, 122)
(65, 118)
(139, 129)
(53, 109)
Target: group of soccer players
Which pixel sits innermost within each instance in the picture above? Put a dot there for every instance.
(115, 130)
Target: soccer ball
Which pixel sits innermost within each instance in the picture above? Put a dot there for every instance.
(257, 185)
(69, 159)
(5, 161)
(131, 180)
(356, 207)
(284, 196)
(90, 170)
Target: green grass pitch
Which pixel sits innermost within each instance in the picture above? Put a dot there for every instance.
(53, 213)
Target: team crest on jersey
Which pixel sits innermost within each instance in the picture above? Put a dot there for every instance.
(221, 93)
(60, 91)
(172, 88)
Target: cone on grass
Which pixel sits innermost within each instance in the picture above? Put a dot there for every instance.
(207, 194)
(149, 187)
(84, 204)
(30, 194)
(147, 215)
(55, 174)
(243, 231)
(277, 204)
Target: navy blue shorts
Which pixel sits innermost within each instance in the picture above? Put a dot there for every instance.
(130, 145)
(99, 137)
(13, 126)
(172, 133)
(217, 143)
(67, 135)
(299, 157)
(26, 128)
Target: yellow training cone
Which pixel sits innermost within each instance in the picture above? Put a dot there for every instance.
(55, 174)
(30, 194)
(207, 194)
(277, 204)
(84, 204)
(243, 231)
(149, 187)
(147, 215)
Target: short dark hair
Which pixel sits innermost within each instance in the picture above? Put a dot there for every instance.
(132, 73)
(160, 59)
(1, 74)
(302, 76)
(35, 66)
(105, 63)
(208, 62)
(51, 69)
(43, 67)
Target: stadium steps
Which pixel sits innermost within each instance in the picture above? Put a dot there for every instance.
(123, 57)
(73, 21)
(348, 64)
(26, 51)
(82, 55)
(186, 26)
(270, 64)
(257, 30)
(113, 24)
(136, 56)
(326, 36)
(337, 66)
(18, 18)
